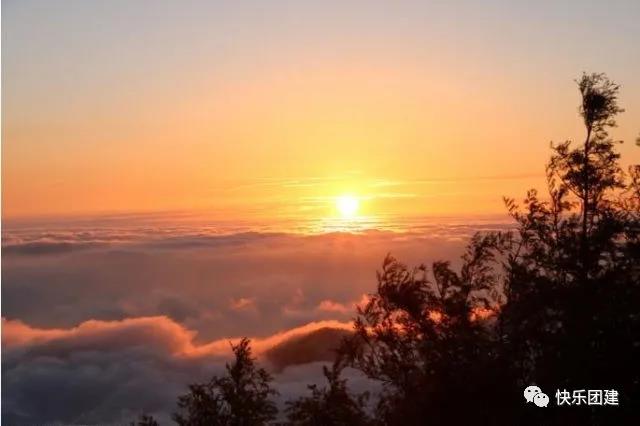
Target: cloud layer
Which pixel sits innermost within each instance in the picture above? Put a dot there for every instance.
(103, 323)
(110, 371)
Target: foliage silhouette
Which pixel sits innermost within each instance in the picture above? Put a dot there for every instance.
(571, 318)
(240, 398)
(330, 406)
(427, 337)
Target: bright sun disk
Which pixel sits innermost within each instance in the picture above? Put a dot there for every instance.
(347, 205)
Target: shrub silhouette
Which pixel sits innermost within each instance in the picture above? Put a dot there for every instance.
(240, 398)
(330, 406)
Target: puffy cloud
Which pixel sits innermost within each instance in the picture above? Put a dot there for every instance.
(331, 306)
(317, 345)
(242, 304)
(159, 333)
(97, 372)
(15, 332)
(156, 333)
(350, 308)
(109, 371)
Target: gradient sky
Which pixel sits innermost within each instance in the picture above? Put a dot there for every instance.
(265, 109)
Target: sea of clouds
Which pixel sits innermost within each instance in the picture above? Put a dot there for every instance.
(102, 322)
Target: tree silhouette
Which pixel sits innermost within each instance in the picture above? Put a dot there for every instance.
(329, 406)
(426, 335)
(240, 398)
(572, 283)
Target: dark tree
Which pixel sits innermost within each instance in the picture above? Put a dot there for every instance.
(572, 313)
(426, 335)
(329, 406)
(240, 398)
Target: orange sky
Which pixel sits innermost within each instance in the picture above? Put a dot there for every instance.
(110, 112)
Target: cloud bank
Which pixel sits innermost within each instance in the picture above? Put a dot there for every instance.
(110, 371)
(103, 323)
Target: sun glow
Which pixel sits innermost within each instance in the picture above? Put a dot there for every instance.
(347, 205)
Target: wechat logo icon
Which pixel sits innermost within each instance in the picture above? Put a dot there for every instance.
(534, 394)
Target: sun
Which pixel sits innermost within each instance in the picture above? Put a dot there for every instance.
(347, 205)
